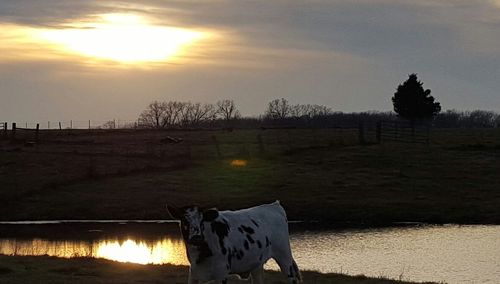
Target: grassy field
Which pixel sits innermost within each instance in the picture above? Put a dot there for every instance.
(86, 270)
(318, 174)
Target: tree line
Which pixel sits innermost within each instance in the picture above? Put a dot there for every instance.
(171, 114)
(411, 102)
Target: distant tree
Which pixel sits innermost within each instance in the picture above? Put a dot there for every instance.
(195, 114)
(110, 124)
(482, 118)
(310, 111)
(153, 115)
(227, 110)
(173, 114)
(412, 102)
(278, 109)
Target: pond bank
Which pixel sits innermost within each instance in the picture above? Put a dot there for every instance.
(43, 269)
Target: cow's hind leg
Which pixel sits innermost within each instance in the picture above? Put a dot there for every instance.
(290, 269)
(258, 275)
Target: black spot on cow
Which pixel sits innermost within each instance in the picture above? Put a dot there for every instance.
(221, 229)
(248, 230)
(229, 259)
(255, 223)
(259, 244)
(240, 229)
(204, 250)
(245, 244)
(268, 243)
(250, 239)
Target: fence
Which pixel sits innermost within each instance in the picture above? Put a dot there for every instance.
(15, 129)
(400, 131)
(3, 129)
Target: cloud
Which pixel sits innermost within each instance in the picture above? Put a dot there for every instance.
(349, 55)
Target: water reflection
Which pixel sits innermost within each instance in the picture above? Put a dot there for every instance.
(162, 251)
(452, 254)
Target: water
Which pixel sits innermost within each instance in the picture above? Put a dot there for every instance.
(452, 254)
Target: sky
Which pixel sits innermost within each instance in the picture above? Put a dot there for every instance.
(99, 60)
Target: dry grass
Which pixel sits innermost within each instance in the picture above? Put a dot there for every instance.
(86, 270)
(318, 174)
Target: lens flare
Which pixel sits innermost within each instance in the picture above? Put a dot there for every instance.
(239, 163)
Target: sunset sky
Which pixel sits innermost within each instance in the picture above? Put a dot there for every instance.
(81, 59)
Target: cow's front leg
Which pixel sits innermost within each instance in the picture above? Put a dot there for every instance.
(191, 280)
(258, 275)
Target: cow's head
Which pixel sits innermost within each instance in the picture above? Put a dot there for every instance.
(192, 219)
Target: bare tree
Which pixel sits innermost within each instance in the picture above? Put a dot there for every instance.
(153, 115)
(319, 110)
(227, 110)
(201, 112)
(278, 109)
(309, 110)
(173, 114)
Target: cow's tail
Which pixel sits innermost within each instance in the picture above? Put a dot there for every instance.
(296, 271)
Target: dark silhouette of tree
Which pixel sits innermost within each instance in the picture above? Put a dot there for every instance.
(412, 102)
(278, 109)
(227, 110)
(194, 114)
(153, 116)
(310, 111)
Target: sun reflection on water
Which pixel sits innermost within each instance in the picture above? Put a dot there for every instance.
(164, 251)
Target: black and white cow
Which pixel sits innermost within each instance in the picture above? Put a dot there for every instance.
(221, 243)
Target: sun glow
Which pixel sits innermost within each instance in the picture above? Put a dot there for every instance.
(123, 38)
(106, 40)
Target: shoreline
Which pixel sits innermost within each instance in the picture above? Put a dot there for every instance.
(306, 225)
(24, 269)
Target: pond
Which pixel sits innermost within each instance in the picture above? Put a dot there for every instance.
(449, 253)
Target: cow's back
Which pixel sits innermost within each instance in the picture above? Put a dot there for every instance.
(256, 234)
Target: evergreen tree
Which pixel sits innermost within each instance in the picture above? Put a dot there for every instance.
(412, 102)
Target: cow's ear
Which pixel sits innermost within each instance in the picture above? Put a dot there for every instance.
(210, 215)
(174, 212)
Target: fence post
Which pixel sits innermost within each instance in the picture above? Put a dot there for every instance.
(217, 147)
(361, 133)
(428, 138)
(261, 144)
(13, 131)
(5, 129)
(48, 124)
(89, 124)
(379, 132)
(71, 124)
(60, 128)
(37, 134)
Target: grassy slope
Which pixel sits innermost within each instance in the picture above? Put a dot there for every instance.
(317, 174)
(83, 270)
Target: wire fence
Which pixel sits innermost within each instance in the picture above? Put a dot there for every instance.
(74, 124)
(368, 133)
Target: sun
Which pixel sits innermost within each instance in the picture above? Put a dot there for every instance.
(124, 38)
